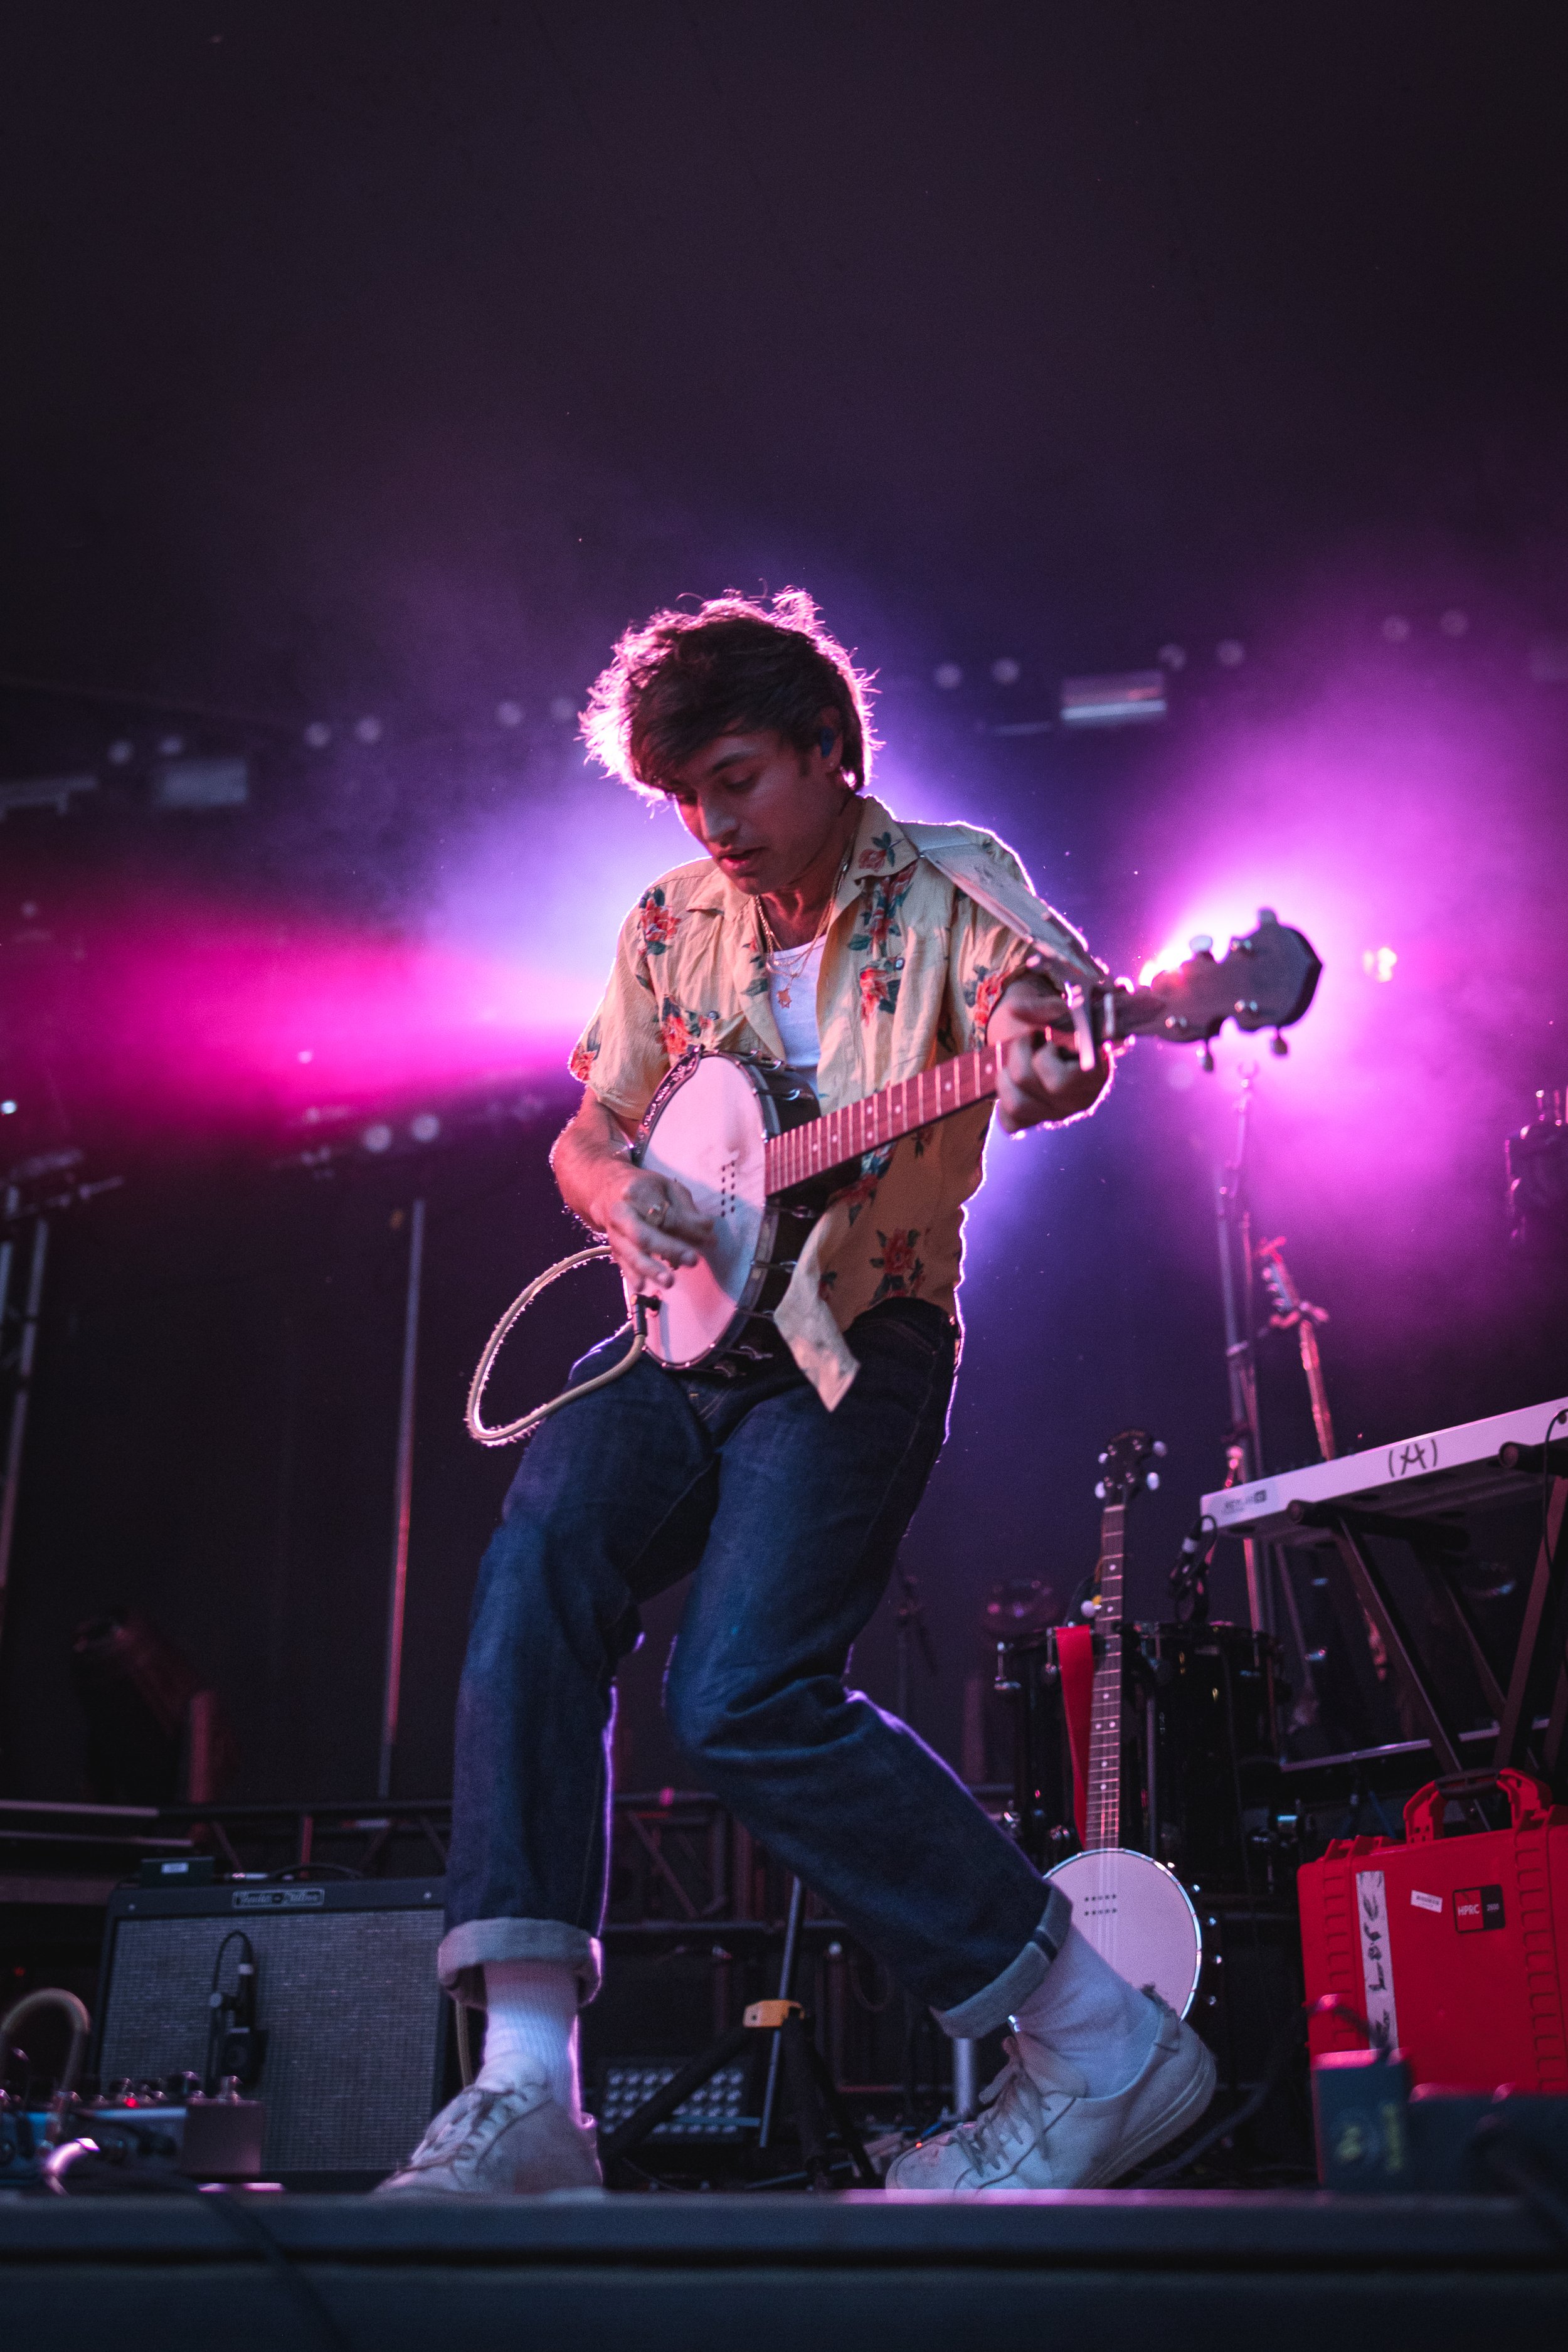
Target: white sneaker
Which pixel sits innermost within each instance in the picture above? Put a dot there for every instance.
(517, 2143)
(1040, 2130)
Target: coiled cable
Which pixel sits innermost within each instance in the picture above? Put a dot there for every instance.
(513, 1430)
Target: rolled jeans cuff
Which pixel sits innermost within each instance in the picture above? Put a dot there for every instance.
(464, 1950)
(995, 2003)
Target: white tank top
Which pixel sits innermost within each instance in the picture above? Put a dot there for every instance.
(796, 1018)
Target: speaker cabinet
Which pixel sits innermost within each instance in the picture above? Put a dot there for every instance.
(346, 1988)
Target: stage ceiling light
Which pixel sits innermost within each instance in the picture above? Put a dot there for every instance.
(425, 1126)
(201, 784)
(368, 729)
(508, 714)
(1230, 652)
(1006, 671)
(1130, 697)
(1396, 629)
(45, 792)
(318, 735)
(948, 674)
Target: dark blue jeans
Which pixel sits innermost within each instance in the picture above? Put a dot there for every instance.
(786, 1518)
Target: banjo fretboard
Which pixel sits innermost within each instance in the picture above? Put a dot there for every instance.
(1102, 1823)
(841, 1136)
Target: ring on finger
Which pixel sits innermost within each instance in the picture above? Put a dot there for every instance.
(655, 1215)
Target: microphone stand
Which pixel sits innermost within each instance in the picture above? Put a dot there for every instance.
(1244, 1446)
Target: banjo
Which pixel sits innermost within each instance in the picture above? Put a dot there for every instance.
(762, 1159)
(1137, 1915)
(750, 1143)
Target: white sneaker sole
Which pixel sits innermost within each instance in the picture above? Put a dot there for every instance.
(1188, 2109)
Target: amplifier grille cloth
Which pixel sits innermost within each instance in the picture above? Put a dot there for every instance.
(349, 1998)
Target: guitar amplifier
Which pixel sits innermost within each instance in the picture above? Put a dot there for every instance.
(346, 1992)
(1453, 1948)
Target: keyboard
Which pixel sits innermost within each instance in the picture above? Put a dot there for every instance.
(1442, 1471)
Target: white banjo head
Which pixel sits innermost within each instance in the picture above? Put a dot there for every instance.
(708, 1133)
(1137, 1916)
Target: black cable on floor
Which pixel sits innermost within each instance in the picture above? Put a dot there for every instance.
(1280, 2057)
(246, 2225)
(1518, 2167)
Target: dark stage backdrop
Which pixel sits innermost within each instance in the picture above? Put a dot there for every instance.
(369, 369)
(214, 1429)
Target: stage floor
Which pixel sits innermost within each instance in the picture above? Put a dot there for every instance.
(675, 2273)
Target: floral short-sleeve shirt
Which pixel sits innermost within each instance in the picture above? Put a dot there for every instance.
(911, 971)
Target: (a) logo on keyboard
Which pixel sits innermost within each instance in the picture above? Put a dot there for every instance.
(1410, 1460)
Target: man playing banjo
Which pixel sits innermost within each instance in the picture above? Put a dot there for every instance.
(816, 931)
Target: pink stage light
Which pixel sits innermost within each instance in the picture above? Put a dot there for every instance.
(197, 1014)
(1408, 827)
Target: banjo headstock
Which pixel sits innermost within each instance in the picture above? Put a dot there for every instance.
(1123, 1466)
(1264, 980)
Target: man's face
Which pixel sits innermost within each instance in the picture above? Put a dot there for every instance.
(763, 811)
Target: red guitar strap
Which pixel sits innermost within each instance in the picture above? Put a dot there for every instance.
(1074, 1656)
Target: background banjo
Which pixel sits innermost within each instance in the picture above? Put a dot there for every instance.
(1135, 1912)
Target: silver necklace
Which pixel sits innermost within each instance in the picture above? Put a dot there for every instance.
(790, 974)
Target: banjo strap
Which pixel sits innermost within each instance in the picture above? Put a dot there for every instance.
(956, 852)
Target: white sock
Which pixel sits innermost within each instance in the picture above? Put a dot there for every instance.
(1085, 2014)
(530, 2028)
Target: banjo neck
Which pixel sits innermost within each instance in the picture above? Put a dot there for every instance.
(1265, 980)
(831, 1141)
(1103, 1821)
(1125, 1464)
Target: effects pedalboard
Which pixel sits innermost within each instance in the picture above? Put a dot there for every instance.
(172, 2131)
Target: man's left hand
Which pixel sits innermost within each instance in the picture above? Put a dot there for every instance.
(1038, 1074)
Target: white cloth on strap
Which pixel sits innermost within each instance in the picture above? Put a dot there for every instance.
(970, 860)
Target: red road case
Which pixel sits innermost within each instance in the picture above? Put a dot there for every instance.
(1452, 1948)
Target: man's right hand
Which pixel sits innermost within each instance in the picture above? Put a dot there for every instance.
(651, 1224)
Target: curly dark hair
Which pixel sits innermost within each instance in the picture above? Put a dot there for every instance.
(734, 664)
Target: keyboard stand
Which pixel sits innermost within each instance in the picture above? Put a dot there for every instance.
(1347, 1528)
(1543, 1645)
